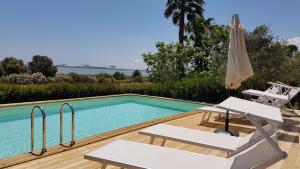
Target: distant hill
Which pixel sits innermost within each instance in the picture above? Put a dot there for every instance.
(93, 67)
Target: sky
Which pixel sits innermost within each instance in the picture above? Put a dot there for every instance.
(118, 32)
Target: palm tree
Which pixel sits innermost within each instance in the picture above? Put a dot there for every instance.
(198, 27)
(181, 9)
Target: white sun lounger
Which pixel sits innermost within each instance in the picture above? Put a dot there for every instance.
(230, 144)
(273, 99)
(208, 110)
(133, 155)
(279, 88)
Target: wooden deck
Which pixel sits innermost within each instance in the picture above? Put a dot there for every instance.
(289, 141)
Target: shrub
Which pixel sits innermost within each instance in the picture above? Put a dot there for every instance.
(77, 77)
(11, 65)
(25, 78)
(137, 76)
(206, 88)
(137, 79)
(42, 64)
(21, 93)
(119, 75)
(62, 78)
(92, 79)
(136, 73)
(38, 78)
(18, 79)
(1, 71)
(104, 78)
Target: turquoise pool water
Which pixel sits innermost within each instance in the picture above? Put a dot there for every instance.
(92, 116)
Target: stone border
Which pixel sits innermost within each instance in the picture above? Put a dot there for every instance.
(98, 97)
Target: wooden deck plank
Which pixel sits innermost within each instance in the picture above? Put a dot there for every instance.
(289, 141)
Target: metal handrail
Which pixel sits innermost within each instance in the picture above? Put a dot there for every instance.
(73, 123)
(43, 150)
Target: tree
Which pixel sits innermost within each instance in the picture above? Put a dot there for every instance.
(268, 55)
(173, 61)
(136, 73)
(198, 28)
(293, 49)
(181, 10)
(1, 71)
(212, 39)
(42, 64)
(11, 65)
(137, 76)
(119, 75)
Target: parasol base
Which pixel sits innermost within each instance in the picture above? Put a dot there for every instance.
(229, 132)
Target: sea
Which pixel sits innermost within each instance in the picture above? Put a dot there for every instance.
(83, 70)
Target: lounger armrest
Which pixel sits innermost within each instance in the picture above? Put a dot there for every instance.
(280, 85)
(259, 93)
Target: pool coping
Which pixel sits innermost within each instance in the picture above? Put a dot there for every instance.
(26, 157)
(98, 97)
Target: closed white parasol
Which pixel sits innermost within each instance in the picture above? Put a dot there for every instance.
(238, 65)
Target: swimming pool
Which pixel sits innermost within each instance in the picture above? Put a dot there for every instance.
(92, 116)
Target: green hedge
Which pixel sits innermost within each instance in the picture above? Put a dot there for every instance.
(24, 93)
(207, 89)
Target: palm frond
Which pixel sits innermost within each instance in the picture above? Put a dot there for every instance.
(170, 8)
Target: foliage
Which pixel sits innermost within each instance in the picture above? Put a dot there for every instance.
(42, 64)
(10, 93)
(180, 10)
(292, 69)
(119, 75)
(137, 76)
(212, 39)
(173, 61)
(62, 78)
(79, 78)
(206, 88)
(1, 71)
(266, 53)
(12, 65)
(25, 78)
(136, 73)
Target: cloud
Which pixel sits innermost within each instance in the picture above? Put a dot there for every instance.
(295, 41)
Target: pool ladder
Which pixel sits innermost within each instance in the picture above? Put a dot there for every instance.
(61, 123)
(43, 150)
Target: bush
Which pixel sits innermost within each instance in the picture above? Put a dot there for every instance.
(92, 79)
(62, 78)
(38, 78)
(137, 79)
(79, 78)
(11, 65)
(21, 93)
(42, 64)
(1, 71)
(206, 88)
(137, 76)
(25, 78)
(119, 75)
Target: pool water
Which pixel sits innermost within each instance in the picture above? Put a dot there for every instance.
(92, 116)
